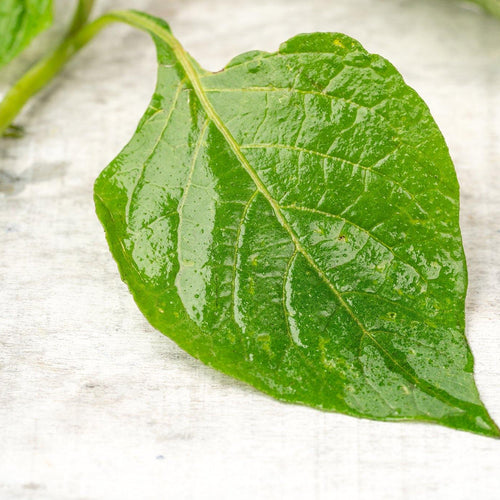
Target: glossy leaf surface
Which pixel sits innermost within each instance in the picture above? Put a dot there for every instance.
(20, 22)
(293, 222)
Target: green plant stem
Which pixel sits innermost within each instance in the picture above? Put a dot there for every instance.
(40, 74)
(80, 16)
(44, 71)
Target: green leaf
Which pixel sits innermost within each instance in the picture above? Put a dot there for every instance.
(492, 6)
(20, 22)
(293, 222)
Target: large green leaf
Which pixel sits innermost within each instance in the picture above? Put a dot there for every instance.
(20, 22)
(293, 222)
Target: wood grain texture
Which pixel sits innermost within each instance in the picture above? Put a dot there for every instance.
(95, 404)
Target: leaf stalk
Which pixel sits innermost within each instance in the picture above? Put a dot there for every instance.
(37, 77)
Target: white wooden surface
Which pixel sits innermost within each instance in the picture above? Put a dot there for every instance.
(96, 404)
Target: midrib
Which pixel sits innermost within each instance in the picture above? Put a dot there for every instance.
(235, 147)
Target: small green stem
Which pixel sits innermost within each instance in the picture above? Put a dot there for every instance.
(38, 76)
(80, 16)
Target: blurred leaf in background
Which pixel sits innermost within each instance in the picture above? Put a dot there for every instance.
(20, 22)
(492, 6)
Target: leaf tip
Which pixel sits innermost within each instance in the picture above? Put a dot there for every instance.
(479, 422)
